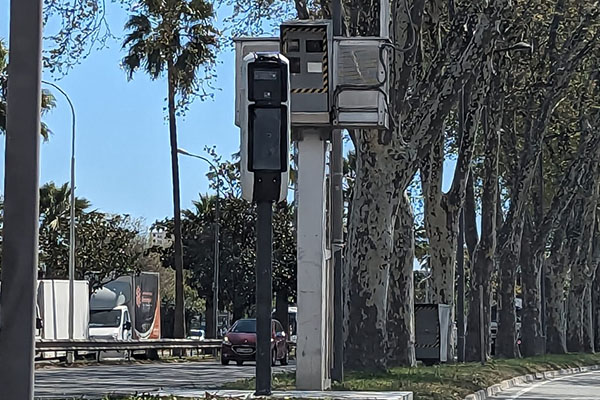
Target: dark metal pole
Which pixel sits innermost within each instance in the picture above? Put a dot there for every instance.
(216, 262)
(21, 201)
(337, 229)
(460, 268)
(337, 205)
(264, 296)
(482, 333)
(336, 14)
(70, 354)
(460, 252)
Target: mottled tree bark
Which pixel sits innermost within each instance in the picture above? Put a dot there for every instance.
(536, 236)
(581, 272)
(588, 328)
(557, 272)
(401, 322)
(561, 65)
(442, 211)
(483, 259)
(439, 224)
(510, 250)
(386, 163)
(531, 267)
(575, 318)
(590, 306)
(371, 244)
(471, 234)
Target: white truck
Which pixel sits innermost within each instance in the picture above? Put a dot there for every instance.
(126, 308)
(53, 312)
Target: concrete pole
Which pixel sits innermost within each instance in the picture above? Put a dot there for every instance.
(21, 202)
(312, 369)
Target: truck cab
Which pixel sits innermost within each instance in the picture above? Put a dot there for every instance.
(110, 324)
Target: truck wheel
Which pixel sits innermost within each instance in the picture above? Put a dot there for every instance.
(239, 363)
(224, 361)
(274, 358)
(284, 360)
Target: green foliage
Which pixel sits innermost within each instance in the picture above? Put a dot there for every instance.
(238, 243)
(175, 35)
(48, 100)
(106, 245)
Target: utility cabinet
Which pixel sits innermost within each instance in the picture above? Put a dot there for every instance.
(307, 46)
(432, 332)
(361, 82)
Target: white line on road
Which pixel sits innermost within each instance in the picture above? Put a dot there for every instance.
(536, 385)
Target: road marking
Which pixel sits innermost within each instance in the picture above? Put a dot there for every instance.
(536, 385)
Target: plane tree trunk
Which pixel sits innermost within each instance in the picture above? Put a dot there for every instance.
(531, 268)
(596, 309)
(582, 270)
(558, 65)
(482, 264)
(386, 163)
(557, 273)
(536, 236)
(401, 322)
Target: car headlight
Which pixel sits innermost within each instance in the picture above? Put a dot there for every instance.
(226, 340)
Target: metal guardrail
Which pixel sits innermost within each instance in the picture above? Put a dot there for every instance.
(109, 345)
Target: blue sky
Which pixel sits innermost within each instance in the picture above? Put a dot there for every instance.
(122, 148)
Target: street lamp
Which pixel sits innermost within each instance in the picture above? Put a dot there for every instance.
(71, 212)
(215, 286)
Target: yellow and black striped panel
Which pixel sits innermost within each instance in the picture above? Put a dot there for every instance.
(426, 307)
(309, 90)
(325, 63)
(428, 345)
(291, 28)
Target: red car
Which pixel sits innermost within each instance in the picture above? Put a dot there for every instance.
(239, 343)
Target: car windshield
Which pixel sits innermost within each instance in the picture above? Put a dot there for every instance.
(245, 326)
(105, 318)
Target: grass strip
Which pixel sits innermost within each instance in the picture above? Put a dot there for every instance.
(441, 382)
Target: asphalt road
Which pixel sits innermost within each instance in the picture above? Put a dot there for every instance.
(98, 380)
(584, 386)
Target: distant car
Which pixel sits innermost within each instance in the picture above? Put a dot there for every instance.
(239, 343)
(197, 334)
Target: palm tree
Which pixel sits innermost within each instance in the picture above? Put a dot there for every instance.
(176, 36)
(54, 224)
(48, 101)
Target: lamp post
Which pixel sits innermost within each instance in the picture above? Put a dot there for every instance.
(215, 286)
(71, 215)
